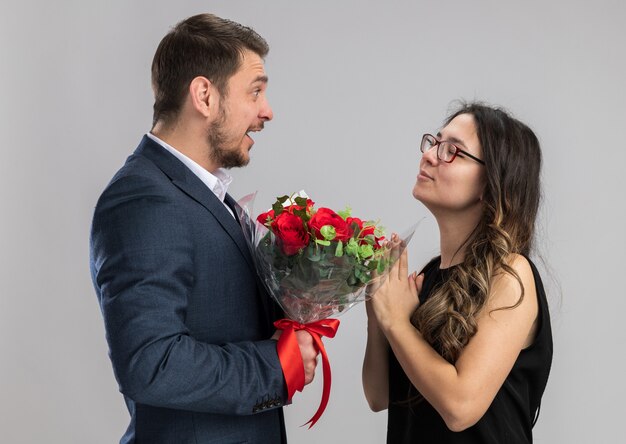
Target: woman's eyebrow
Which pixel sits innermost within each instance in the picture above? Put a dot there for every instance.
(451, 139)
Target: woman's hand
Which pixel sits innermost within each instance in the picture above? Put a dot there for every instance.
(396, 298)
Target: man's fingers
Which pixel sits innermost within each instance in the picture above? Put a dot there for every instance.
(309, 354)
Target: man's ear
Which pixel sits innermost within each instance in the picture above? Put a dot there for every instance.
(203, 96)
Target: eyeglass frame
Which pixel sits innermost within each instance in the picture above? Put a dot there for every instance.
(458, 150)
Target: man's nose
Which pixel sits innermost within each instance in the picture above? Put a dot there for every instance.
(266, 112)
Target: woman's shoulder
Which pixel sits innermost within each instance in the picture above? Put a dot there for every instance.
(520, 263)
(514, 285)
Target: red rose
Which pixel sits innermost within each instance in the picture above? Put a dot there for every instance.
(356, 220)
(326, 216)
(367, 231)
(290, 232)
(266, 218)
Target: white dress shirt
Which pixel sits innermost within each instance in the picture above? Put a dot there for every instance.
(218, 183)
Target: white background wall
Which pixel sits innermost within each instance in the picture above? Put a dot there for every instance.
(353, 85)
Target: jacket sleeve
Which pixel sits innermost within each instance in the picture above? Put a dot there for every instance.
(141, 264)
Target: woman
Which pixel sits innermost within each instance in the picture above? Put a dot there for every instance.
(462, 352)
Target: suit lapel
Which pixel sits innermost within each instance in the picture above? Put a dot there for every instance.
(191, 185)
(265, 299)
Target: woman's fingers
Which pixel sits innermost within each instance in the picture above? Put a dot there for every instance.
(403, 267)
(419, 280)
(413, 283)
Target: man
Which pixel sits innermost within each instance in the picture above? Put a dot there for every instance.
(188, 324)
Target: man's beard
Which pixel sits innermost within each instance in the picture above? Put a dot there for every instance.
(220, 153)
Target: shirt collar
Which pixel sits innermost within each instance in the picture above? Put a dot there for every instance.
(218, 182)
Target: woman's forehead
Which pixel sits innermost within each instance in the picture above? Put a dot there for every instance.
(462, 130)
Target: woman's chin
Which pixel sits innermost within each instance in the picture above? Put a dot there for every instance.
(417, 192)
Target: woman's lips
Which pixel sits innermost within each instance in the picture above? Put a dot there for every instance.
(423, 175)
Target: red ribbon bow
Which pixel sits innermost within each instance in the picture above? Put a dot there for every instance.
(291, 359)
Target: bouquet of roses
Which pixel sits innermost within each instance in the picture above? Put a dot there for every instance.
(315, 263)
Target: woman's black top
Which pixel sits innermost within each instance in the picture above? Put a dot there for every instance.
(511, 415)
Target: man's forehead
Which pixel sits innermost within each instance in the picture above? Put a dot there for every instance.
(251, 71)
(253, 63)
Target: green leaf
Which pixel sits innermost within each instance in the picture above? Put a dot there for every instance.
(301, 201)
(370, 239)
(366, 251)
(301, 214)
(278, 208)
(345, 213)
(382, 265)
(314, 255)
(322, 242)
(339, 249)
(352, 248)
(379, 232)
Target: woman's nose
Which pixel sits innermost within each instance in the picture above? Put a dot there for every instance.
(430, 156)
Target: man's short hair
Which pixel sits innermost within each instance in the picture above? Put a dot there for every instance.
(202, 45)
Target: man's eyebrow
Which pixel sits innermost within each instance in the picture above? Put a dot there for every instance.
(262, 79)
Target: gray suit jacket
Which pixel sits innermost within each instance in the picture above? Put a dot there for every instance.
(186, 319)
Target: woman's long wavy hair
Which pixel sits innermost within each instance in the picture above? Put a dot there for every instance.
(512, 155)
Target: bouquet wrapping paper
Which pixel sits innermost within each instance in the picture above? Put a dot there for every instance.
(316, 264)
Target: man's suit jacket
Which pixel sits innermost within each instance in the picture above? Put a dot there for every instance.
(187, 322)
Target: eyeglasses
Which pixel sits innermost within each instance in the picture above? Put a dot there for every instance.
(446, 151)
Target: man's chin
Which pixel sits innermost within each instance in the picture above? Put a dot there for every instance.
(236, 162)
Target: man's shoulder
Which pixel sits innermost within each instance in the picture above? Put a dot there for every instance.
(137, 179)
(137, 171)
